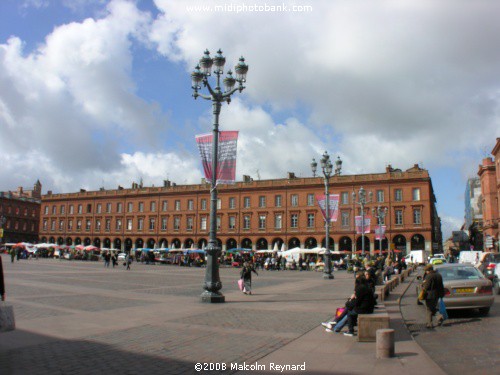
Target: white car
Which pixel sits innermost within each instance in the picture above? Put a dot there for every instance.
(122, 257)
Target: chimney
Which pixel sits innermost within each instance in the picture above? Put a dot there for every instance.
(291, 175)
(82, 190)
(203, 180)
(20, 190)
(120, 187)
(166, 183)
(247, 178)
(49, 192)
(388, 168)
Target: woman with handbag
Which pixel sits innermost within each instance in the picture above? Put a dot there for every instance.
(246, 276)
(433, 290)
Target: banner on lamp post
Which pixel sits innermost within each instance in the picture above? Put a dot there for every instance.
(380, 232)
(226, 160)
(333, 207)
(359, 220)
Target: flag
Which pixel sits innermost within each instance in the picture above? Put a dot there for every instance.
(380, 232)
(226, 156)
(359, 228)
(333, 210)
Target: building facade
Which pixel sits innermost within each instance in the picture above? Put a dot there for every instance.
(20, 214)
(489, 174)
(251, 214)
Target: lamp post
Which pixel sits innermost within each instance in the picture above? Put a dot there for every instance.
(326, 168)
(200, 75)
(362, 202)
(380, 213)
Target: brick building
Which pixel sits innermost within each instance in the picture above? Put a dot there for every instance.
(489, 174)
(21, 212)
(251, 214)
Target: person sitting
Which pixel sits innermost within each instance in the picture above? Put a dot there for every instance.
(364, 303)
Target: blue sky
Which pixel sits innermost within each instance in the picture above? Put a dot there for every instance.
(97, 92)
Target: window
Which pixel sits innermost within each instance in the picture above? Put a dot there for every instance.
(108, 225)
(310, 199)
(46, 211)
(163, 223)
(232, 203)
(88, 224)
(152, 222)
(203, 204)
(118, 224)
(295, 200)
(89, 208)
(177, 222)
(310, 220)
(416, 194)
(141, 206)
(130, 207)
(140, 223)
(278, 221)
(262, 201)
(78, 225)
(44, 225)
(108, 207)
(381, 220)
(98, 225)
(99, 208)
(399, 217)
(164, 205)
(246, 202)
(130, 224)
(232, 222)
(80, 208)
(294, 222)
(417, 216)
(218, 222)
(398, 195)
(344, 196)
(24, 226)
(277, 200)
(177, 205)
(54, 210)
(345, 218)
(119, 207)
(70, 225)
(61, 225)
(380, 195)
(190, 205)
(189, 223)
(71, 209)
(219, 204)
(61, 210)
(262, 221)
(246, 222)
(203, 223)
(152, 206)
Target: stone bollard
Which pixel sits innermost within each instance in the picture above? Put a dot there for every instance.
(7, 322)
(385, 343)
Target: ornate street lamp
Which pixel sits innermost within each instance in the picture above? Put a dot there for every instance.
(200, 75)
(327, 168)
(362, 202)
(380, 213)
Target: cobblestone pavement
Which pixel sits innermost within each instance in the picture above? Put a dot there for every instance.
(76, 317)
(466, 343)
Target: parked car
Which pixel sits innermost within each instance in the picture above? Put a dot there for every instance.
(489, 265)
(436, 261)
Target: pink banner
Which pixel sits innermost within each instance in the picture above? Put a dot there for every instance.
(380, 232)
(359, 229)
(226, 166)
(333, 210)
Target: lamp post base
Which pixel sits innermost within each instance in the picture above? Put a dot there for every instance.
(211, 297)
(328, 276)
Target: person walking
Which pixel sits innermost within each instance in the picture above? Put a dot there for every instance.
(2, 283)
(129, 261)
(246, 276)
(12, 254)
(434, 290)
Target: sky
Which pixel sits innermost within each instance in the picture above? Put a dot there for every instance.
(97, 93)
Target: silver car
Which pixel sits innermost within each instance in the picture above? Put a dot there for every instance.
(466, 287)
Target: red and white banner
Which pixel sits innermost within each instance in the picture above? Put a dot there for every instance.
(333, 210)
(380, 232)
(226, 166)
(366, 226)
